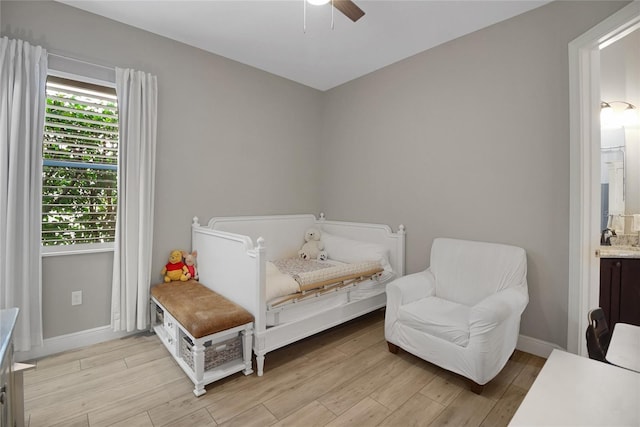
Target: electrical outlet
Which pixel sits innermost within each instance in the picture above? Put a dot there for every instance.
(76, 297)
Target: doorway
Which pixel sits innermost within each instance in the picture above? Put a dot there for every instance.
(584, 188)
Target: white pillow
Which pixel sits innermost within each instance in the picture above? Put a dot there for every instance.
(352, 251)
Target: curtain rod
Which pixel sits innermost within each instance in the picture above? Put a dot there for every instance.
(81, 61)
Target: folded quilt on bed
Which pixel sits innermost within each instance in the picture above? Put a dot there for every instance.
(279, 283)
(292, 275)
(326, 276)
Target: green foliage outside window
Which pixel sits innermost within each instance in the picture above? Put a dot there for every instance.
(80, 153)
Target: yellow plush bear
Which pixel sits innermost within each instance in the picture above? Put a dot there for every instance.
(175, 268)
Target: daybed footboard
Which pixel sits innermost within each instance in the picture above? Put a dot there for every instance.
(230, 263)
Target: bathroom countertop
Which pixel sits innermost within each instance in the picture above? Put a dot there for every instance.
(8, 318)
(619, 252)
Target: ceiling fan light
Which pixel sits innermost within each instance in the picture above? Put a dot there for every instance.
(318, 2)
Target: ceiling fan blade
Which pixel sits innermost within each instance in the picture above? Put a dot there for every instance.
(349, 9)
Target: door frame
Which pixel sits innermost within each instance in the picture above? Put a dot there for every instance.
(584, 167)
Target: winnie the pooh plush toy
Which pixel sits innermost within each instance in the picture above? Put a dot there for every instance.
(313, 248)
(175, 268)
(190, 262)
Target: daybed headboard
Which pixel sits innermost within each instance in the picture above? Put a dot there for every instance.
(374, 233)
(232, 251)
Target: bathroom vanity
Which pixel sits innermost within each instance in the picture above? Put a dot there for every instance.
(620, 284)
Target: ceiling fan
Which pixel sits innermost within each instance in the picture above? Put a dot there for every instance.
(347, 7)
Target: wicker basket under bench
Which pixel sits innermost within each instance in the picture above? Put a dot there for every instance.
(208, 335)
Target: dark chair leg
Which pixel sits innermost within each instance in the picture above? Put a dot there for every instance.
(475, 387)
(393, 348)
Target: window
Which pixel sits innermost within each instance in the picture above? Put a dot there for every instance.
(80, 164)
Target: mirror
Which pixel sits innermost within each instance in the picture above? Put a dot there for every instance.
(620, 180)
(612, 178)
(620, 140)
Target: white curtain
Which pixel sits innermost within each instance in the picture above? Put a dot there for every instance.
(137, 105)
(23, 75)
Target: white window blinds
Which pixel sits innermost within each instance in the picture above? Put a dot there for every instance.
(80, 161)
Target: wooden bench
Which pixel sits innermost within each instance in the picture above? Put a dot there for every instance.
(208, 335)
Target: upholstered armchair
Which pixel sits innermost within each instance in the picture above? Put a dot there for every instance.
(463, 312)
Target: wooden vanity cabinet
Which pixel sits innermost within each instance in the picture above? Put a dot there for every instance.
(620, 290)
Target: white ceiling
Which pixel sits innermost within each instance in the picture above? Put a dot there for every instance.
(270, 35)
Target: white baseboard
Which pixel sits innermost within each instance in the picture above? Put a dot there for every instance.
(71, 342)
(536, 347)
(105, 333)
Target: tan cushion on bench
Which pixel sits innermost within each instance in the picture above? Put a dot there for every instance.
(199, 310)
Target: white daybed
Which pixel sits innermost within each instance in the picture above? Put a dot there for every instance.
(233, 253)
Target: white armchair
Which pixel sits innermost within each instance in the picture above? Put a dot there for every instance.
(463, 312)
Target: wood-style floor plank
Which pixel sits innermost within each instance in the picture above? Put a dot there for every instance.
(504, 409)
(283, 405)
(367, 412)
(467, 409)
(529, 372)
(340, 399)
(254, 417)
(442, 390)
(314, 414)
(199, 418)
(140, 420)
(77, 398)
(405, 384)
(270, 386)
(419, 410)
(342, 377)
(130, 405)
(79, 421)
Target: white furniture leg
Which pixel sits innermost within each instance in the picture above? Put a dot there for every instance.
(246, 349)
(260, 363)
(198, 367)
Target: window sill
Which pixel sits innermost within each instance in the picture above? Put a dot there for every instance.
(48, 251)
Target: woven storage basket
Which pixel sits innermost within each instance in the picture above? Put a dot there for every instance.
(215, 354)
(159, 315)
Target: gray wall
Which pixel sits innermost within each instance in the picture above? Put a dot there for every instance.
(470, 140)
(89, 273)
(230, 142)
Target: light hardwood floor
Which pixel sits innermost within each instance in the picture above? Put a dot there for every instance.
(342, 377)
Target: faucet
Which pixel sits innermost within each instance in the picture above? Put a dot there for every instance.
(606, 235)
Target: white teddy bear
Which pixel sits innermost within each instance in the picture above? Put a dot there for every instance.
(313, 248)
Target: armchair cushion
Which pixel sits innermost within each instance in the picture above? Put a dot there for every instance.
(438, 317)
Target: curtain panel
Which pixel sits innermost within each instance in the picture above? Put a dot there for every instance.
(23, 75)
(137, 104)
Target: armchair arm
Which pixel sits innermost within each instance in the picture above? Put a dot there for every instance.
(412, 287)
(405, 290)
(496, 308)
